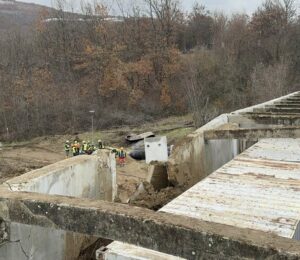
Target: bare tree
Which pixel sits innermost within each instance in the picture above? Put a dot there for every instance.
(167, 13)
(269, 81)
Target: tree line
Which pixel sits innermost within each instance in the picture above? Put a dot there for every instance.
(153, 62)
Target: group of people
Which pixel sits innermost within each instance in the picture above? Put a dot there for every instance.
(78, 148)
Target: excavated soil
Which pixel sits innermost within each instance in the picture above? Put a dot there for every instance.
(129, 177)
(149, 198)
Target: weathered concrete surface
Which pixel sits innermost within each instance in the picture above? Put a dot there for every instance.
(108, 175)
(187, 237)
(83, 176)
(194, 159)
(34, 242)
(158, 175)
(261, 120)
(284, 105)
(247, 118)
(287, 110)
(271, 102)
(253, 134)
(156, 149)
(121, 251)
(23, 236)
(258, 189)
(287, 102)
(270, 119)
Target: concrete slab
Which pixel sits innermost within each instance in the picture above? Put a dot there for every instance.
(187, 237)
(156, 149)
(257, 190)
(81, 177)
(121, 251)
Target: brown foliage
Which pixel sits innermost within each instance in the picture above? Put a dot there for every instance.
(144, 65)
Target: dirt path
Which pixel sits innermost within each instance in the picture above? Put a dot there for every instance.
(15, 161)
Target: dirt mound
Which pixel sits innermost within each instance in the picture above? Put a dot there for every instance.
(147, 197)
(129, 178)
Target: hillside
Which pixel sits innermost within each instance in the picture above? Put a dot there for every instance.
(19, 16)
(141, 68)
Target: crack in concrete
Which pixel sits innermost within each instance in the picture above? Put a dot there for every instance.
(19, 241)
(9, 186)
(21, 246)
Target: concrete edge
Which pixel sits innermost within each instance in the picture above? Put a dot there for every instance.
(250, 109)
(187, 237)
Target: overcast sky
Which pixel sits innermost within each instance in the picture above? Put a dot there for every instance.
(228, 6)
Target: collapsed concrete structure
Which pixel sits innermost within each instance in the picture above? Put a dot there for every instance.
(92, 177)
(218, 142)
(211, 220)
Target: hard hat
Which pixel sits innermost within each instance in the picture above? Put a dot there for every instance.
(67, 141)
(76, 142)
(99, 140)
(84, 142)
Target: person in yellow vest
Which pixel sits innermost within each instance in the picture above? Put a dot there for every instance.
(91, 149)
(85, 147)
(100, 144)
(67, 148)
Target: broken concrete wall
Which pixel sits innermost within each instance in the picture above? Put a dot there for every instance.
(31, 242)
(219, 152)
(92, 177)
(34, 242)
(158, 175)
(108, 175)
(194, 159)
(156, 149)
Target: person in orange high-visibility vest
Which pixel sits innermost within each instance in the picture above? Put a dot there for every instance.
(76, 148)
(122, 157)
